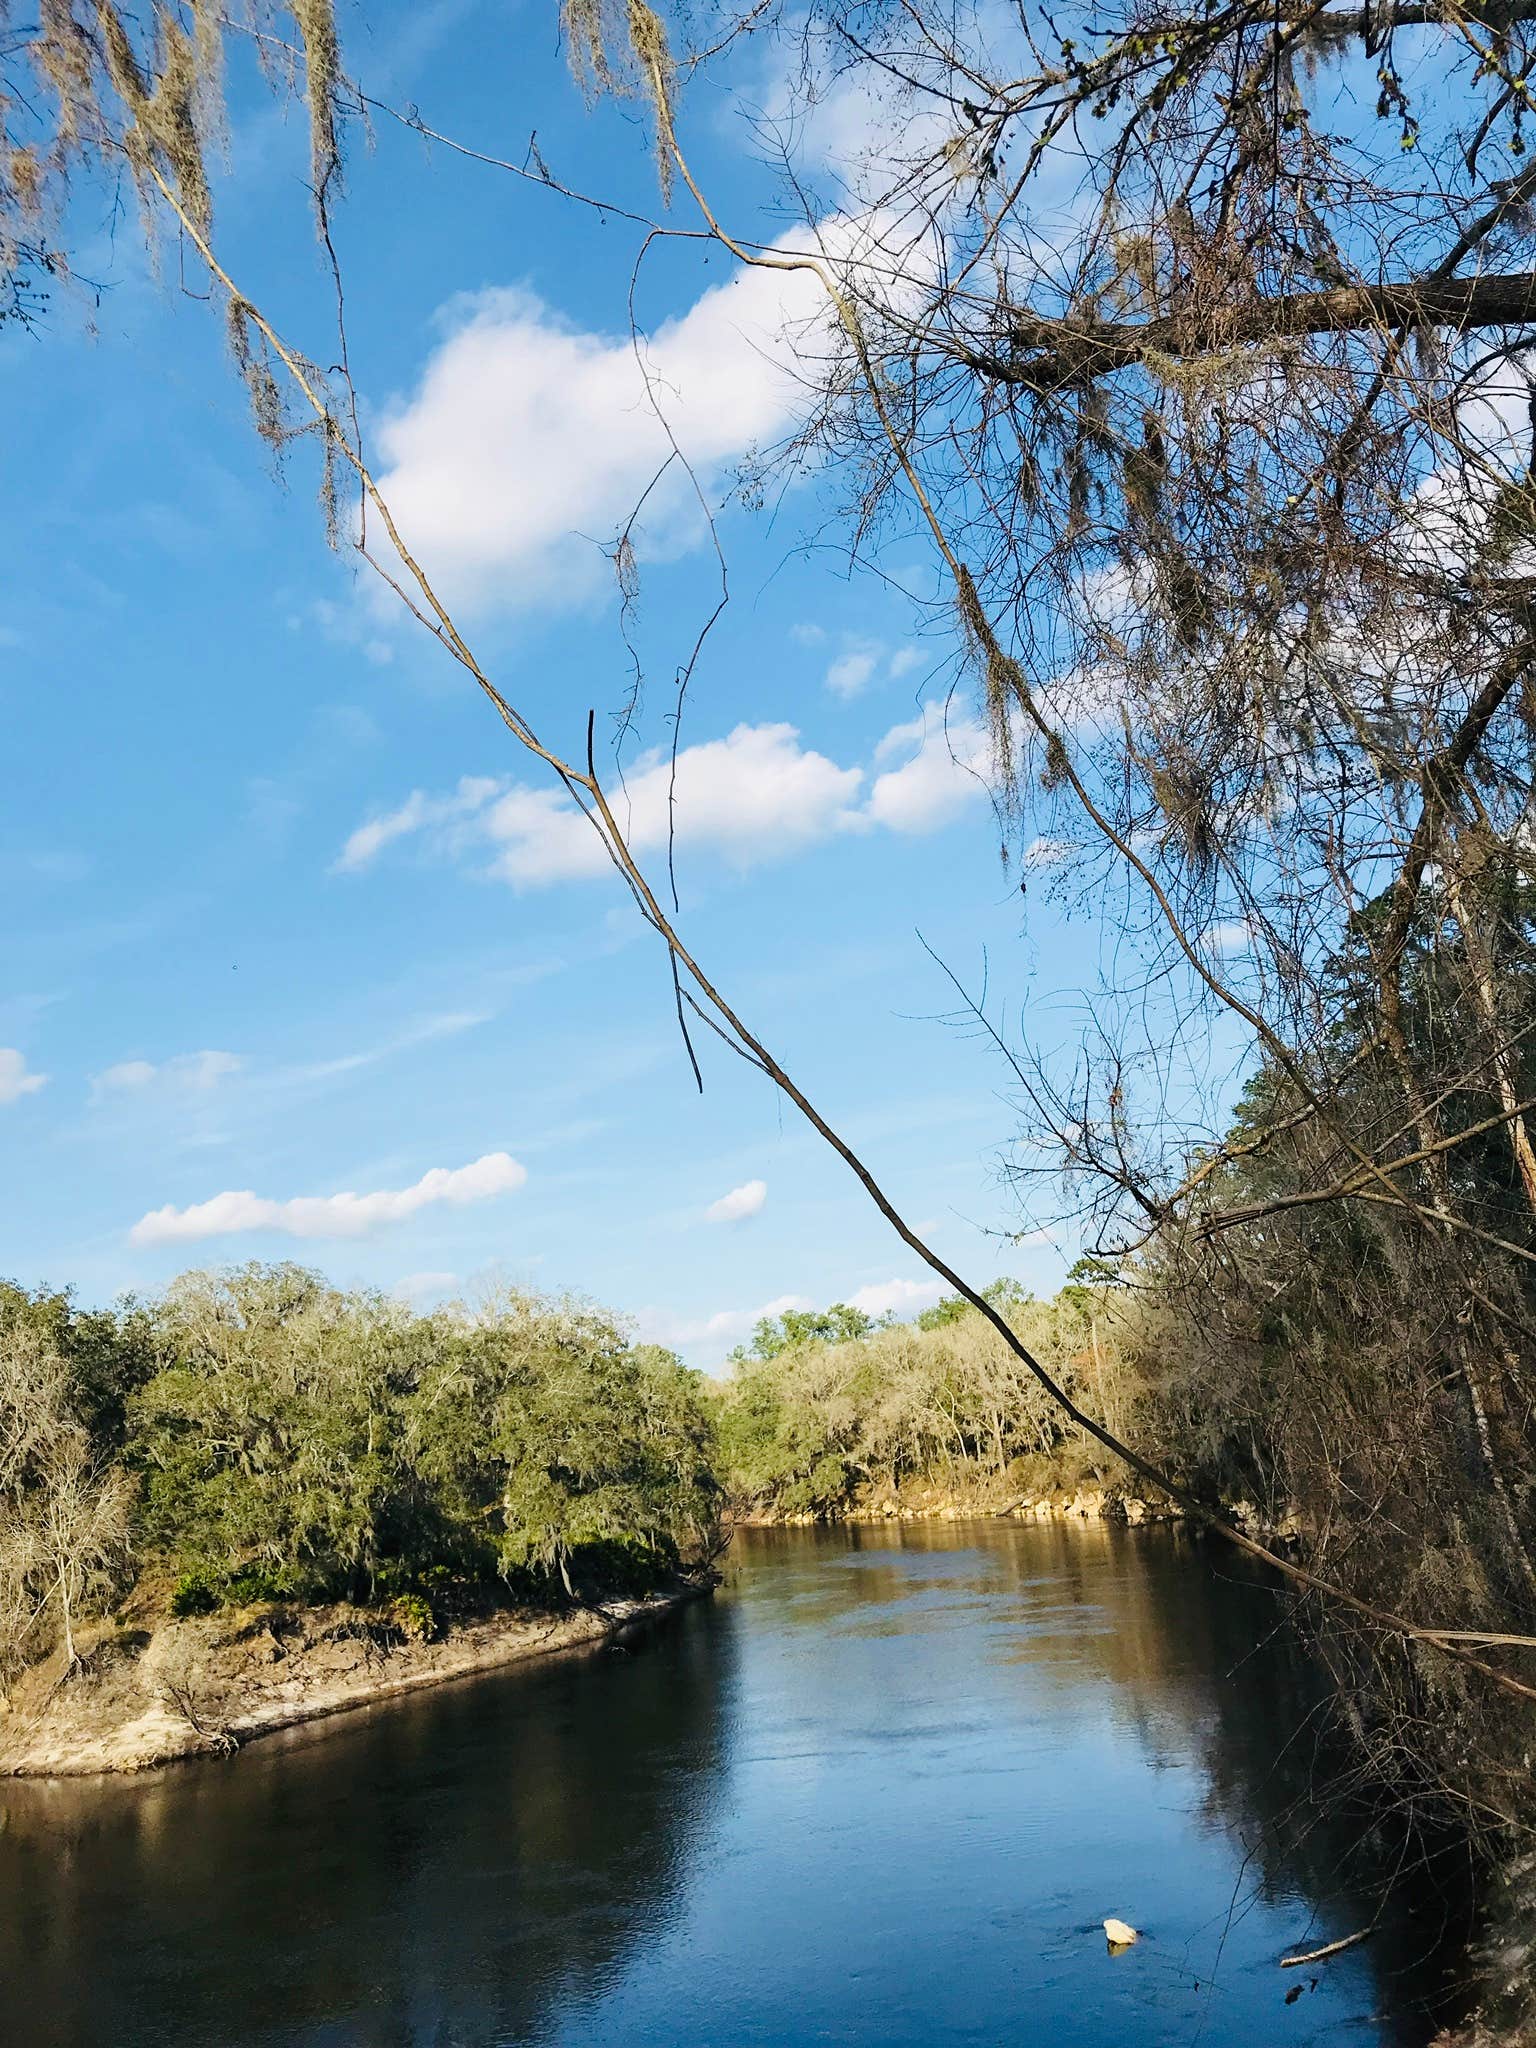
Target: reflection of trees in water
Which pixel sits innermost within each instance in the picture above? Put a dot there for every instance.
(1193, 1650)
(450, 1871)
(1205, 1662)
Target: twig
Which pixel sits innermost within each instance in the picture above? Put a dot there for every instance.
(1333, 1948)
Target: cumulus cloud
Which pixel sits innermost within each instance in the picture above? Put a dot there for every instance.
(899, 1297)
(189, 1073)
(945, 772)
(740, 1203)
(344, 1215)
(526, 433)
(758, 794)
(756, 791)
(16, 1079)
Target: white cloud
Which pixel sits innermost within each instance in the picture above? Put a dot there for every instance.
(947, 771)
(849, 674)
(526, 433)
(740, 1203)
(756, 795)
(418, 810)
(883, 1297)
(1233, 936)
(15, 1079)
(756, 792)
(1048, 853)
(344, 1215)
(189, 1073)
(726, 1326)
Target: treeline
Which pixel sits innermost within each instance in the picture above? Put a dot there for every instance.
(257, 1434)
(825, 1411)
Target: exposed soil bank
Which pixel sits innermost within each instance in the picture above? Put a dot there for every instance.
(208, 1686)
(1081, 1504)
(941, 1504)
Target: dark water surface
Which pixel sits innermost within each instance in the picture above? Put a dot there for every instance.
(881, 1790)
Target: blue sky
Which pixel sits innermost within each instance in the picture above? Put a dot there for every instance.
(289, 919)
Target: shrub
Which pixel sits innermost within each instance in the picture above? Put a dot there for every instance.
(413, 1616)
(195, 1592)
(254, 1584)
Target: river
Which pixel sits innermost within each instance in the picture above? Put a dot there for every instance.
(881, 1790)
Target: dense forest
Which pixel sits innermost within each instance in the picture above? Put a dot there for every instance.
(256, 1435)
(824, 1413)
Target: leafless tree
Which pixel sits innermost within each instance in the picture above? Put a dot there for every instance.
(63, 1511)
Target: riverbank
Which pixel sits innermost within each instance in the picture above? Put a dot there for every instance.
(209, 1685)
(943, 1504)
(1078, 1505)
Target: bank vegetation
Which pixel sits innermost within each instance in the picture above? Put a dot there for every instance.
(258, 1442)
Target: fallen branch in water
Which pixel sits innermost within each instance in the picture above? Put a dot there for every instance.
(1333, 1948)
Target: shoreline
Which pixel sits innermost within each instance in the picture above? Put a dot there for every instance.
(209, 1687)
(1085, 1504)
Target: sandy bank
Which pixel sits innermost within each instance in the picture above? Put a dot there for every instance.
(1084, 1504)
(929, 1504)
(208, 1686)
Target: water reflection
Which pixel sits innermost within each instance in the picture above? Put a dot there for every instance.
(444, 1869)
(880, 1792)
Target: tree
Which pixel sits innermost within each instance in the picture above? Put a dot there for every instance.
(63, 1506)
(299, 1442)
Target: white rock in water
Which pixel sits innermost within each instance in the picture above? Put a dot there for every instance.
(1119, 1935)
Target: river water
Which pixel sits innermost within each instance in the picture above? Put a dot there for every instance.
(881, 1790)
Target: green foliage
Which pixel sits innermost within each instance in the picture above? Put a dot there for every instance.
(258, 1436)
(195, 1592)
(413, 1616)
(1004, 1294)
(838, 1324)
(298, 1442)
(806, 1428)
